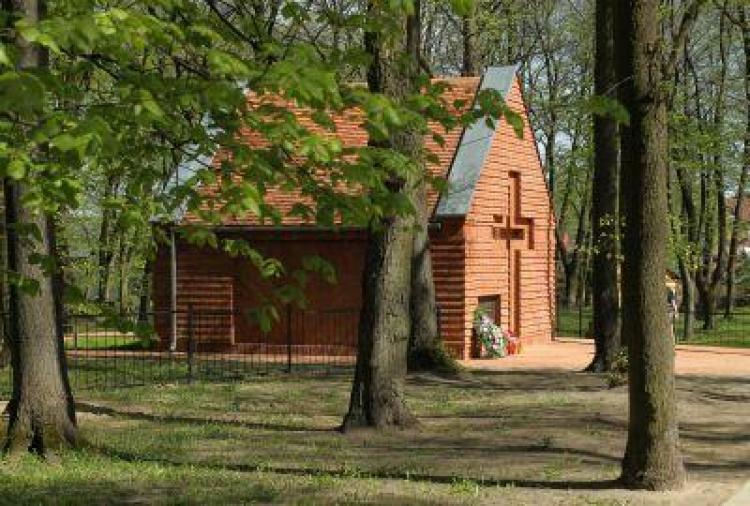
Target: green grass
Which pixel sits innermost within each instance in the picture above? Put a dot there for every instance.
(109, 371)
(485, 437)
(732, 333)
(573, 323)
(107, 341)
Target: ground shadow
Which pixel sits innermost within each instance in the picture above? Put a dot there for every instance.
(348, 473)
(97, 409)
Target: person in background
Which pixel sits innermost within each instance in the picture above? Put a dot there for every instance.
(671, 311)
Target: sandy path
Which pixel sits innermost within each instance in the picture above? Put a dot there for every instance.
(566, 354)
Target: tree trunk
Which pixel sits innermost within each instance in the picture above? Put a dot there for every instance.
(426, 348)
(688, 302)
(571, 292)
(41, 409)
(145, 295)
(652, 457)
(604, 203)
(378, 397)
(469, 33)
(4, 345)
(427, 351)
(707, 301)
(105, 253)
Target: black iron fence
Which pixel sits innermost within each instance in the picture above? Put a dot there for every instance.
(731, 330)
(202, 344)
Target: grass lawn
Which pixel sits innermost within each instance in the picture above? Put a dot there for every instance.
(571, 323)
(486, 438)
(733, 332)
(106, 341)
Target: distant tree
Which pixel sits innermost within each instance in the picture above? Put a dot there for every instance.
(470, 35)
(739, 18)
(604, 217)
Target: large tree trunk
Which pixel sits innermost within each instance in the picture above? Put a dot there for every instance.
(41, 409)
(378, 397)
(604, 202)
(427, 351)
(652, 457)
(426, 348)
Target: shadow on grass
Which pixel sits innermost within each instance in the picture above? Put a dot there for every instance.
(511, 380)
(356, 474)
(96, 409)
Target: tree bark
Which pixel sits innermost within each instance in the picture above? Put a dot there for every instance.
(604, 202)
(105, 253)
(688, 301)
(378, 397)
(427, 351)
(652, 457)
(426, 348)
(144, 299)
(471, 61)
(41, 409)
(4, 345)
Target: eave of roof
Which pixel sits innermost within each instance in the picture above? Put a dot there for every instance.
(472, 151)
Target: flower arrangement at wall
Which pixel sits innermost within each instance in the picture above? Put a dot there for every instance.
(495, 341)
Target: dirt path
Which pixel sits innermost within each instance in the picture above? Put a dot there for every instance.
(566, 354)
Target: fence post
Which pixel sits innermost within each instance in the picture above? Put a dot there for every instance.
(190, 343)
(580, 319)
(439, 321)
(686, 322)
(288, 338)
(556, 318)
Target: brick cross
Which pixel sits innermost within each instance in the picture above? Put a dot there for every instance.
(517, 232)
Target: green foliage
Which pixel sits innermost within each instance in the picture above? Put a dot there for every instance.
(618, 376)
(135, 90)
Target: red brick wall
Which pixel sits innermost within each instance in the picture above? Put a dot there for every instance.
(331, 310)
(487, 260)
(202, 273)
(448, 262)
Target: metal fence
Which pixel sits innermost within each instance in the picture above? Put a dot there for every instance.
(201, 344)
(689, 328)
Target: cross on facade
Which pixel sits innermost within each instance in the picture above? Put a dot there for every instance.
(517, 232)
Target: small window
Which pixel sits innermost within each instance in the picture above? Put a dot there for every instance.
(490, 306)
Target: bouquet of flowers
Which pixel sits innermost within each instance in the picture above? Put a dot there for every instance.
(514, 344)
(492, 338)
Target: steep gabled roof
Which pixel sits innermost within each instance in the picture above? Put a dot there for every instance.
(459, 159)
(472, 150)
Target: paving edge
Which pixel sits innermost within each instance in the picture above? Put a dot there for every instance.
(741, 498)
